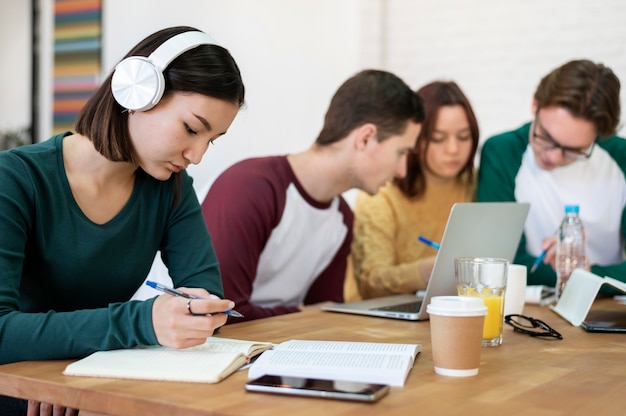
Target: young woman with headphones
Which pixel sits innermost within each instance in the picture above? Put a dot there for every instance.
(82, 215)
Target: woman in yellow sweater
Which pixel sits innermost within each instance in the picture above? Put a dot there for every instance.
(386, 255)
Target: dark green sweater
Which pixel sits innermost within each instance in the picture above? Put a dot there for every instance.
(65, 282)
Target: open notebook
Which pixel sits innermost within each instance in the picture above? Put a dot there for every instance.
(210, 362)
(474, 229)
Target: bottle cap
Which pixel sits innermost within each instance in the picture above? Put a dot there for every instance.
(571, 209)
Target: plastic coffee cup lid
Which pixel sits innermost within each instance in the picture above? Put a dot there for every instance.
(456, 306)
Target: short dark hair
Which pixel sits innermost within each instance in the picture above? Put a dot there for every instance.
(371, 96)
(436, 95)
(587, 90)
(206, 69)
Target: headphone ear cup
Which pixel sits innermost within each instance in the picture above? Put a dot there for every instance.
(137, 84)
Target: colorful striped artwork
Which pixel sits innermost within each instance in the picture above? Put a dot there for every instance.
(77, 58)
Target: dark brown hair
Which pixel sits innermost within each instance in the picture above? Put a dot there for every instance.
(587, 90)
(371, 96)
(436, 95)
(206, 69)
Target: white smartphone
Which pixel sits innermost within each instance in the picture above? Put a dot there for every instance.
(328, 389)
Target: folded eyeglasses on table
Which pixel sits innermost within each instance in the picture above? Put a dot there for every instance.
(531, 326)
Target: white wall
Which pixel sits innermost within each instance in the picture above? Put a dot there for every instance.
(15, 69)
(294, 54)
(498, 50)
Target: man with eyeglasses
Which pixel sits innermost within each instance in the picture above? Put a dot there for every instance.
(568, 154)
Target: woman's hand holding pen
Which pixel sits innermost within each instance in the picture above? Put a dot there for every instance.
(179, 324)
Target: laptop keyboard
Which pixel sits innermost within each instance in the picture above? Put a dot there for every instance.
(402, 307)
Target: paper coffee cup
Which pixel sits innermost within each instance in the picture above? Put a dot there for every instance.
(456, 332)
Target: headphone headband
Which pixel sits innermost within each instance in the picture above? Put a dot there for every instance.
(138, 83)
(176, 46)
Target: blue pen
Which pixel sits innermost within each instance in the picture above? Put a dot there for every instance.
(538, 261)
(428, 242)
(541, 256)
(176, 292)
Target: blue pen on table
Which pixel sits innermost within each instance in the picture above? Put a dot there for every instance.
(538, 261)
(176, 292)
(428, 242)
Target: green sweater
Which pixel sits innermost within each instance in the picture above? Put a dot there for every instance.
(508, 172)
(65, 282)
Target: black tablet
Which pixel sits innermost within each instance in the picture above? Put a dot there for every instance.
(605, 321)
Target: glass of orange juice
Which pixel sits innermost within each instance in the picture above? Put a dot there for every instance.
(484, 277)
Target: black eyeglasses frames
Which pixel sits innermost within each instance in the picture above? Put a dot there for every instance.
(531, 326)
(546, 142)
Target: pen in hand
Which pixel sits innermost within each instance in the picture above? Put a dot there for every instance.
(538, 261)
(176, 292)
(541, 256)
(428, 242)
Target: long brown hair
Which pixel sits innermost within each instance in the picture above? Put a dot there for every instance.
(436, 95)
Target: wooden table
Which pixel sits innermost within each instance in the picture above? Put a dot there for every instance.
(583, 374)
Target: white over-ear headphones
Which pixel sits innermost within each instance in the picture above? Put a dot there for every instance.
(138, 83)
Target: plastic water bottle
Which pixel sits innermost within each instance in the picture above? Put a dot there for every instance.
(571, 247)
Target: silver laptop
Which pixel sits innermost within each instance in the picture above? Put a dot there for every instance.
(474, 229)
